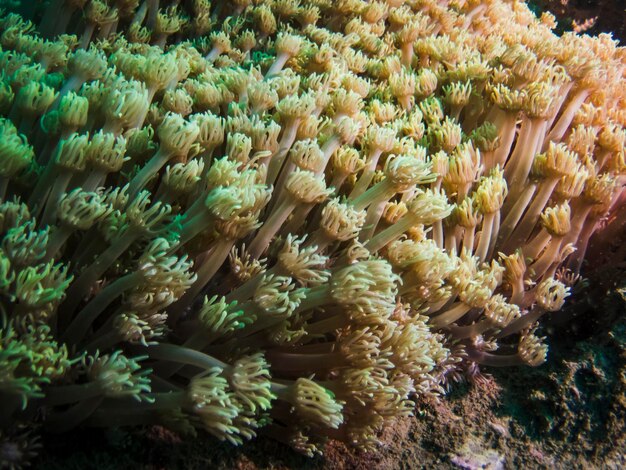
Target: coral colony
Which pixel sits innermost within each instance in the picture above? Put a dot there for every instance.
(289, 217)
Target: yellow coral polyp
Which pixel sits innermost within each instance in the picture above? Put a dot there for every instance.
(307, 215)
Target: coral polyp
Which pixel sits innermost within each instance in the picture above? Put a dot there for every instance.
(290, 217)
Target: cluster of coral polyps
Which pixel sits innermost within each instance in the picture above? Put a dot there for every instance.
(289, 217)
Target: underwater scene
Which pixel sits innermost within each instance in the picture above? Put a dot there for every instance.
(312, 234)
